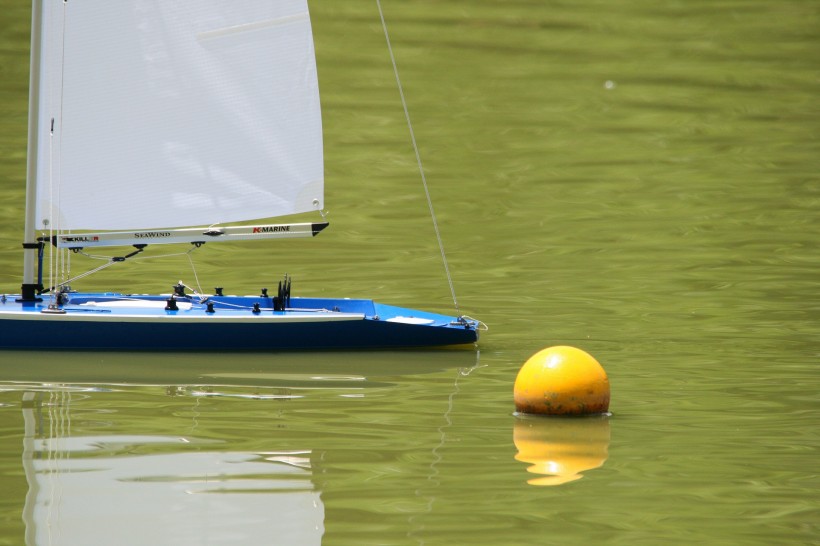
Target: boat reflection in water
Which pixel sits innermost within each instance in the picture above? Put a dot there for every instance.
(155, 489)
(111, 455)
(561, 448)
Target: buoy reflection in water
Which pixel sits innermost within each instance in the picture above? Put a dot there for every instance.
(561, 448)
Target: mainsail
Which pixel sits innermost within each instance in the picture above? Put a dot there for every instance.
(169, 114)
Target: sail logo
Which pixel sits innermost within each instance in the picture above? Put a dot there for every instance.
(152, 234)
(92, 239)
(270, 229)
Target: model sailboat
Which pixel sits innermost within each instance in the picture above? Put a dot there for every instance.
(149, 118)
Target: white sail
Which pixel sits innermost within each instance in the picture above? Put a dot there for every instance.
(183, 113)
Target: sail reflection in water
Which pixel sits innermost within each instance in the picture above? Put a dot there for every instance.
(130, 489)
(561, 448)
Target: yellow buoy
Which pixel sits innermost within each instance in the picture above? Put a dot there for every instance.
(561, 380)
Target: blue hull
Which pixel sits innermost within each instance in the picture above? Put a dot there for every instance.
(120, 322)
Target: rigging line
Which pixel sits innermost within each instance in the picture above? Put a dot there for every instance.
(418, 159)
(82, 275)
(53, 255)
(111, 261)
(65, 256)
(193, 268)
(57, 264)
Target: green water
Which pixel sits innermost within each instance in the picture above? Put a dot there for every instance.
(638, 179)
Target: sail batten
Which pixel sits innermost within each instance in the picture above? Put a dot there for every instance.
(247, 27)
(179, 114)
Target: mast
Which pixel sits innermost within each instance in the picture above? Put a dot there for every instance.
(31, 246)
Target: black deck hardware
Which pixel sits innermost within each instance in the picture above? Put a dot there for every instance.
(256, 308)
(29, 293)
(284, 291)
(171, 304)
(282, 300)
(218, 291)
